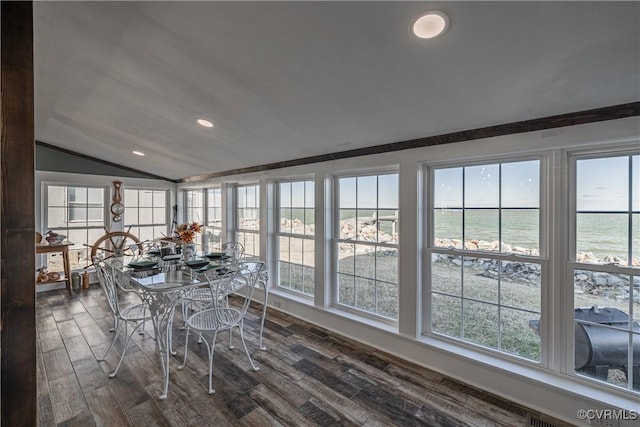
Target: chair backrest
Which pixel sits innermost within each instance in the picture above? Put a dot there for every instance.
(253, 271)
(234, 250)
(107, 282)
(239, 280)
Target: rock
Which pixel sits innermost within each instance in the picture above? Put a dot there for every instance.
(600, 279)
(580, 277)
(443, 243)
(471, 246)
(614, 260)
(586, 257)
(484, 245)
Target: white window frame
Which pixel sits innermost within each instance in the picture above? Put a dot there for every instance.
(77, 246)
(335, 242)
(542, 259)
(279, 233)
(188, 211)
(154, 224)
(236, 230)
(572, 264)
(207, 221)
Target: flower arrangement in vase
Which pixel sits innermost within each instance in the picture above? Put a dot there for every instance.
(187, 232)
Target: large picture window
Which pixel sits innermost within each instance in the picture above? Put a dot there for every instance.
(366, 243)
(146, 213)
(484, 252)
(247, 227)
(78, 213)
(296, 236)
(213, 231)
(605, 261)
(194, 212)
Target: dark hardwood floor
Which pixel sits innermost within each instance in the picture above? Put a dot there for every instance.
(308, 376)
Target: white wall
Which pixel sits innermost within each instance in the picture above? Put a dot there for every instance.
(552, 390)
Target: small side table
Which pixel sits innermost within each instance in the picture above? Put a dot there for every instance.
(63, 248)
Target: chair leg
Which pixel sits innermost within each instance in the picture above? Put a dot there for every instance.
(170, 336)
(253, 365)
(184, 314)
(264, 315)
(115, 336)
(226, 302)
(116, 324)
(211, 355)
(186, 350)
(126, 346)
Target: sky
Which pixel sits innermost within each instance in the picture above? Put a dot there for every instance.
(603, 184)
(520, 186)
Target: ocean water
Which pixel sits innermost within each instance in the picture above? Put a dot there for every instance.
(600, 234)
(608, 234)
(519, 227)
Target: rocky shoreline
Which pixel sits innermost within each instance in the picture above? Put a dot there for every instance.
(596, 283)
(600, 284)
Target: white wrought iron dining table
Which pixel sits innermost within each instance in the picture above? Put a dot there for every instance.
(162, 287)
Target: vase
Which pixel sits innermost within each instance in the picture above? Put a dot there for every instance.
(188, 251)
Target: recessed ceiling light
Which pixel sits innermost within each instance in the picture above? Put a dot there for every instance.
(138, 153)
(205, 123)
(430, 24)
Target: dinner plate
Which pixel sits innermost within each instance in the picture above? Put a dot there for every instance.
(219, 270)
(197, 263)
(138, 265)
(206, 268)
(217, 255)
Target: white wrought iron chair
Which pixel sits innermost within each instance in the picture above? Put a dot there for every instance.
(198, 298)
(124, 288)
(137, 314)
(219, 315)
(234, 250)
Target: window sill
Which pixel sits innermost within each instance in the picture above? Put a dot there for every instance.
(582, 387)
(279, 296)
(353, 316)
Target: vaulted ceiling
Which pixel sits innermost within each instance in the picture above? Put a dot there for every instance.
(284, 80)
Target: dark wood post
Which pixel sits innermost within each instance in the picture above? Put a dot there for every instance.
(17, 220)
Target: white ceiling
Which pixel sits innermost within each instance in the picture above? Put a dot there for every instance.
(284, 80)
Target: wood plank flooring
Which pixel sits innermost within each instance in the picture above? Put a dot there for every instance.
(307, 377)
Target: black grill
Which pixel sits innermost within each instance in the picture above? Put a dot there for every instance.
(598, 348)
